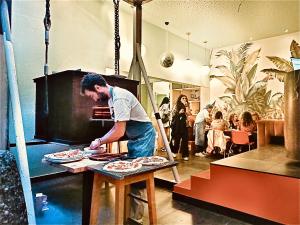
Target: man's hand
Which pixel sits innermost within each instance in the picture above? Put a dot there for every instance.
(95, 144)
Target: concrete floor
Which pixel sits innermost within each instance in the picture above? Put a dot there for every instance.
(64, 197)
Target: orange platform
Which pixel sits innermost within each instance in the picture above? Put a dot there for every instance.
(260, 191)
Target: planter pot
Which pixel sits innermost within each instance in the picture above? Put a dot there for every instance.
(292, 114)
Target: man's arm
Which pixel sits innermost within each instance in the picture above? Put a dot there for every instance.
(115, 133)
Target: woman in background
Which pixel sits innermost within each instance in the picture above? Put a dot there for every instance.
(256, 118)
(164, 111)
(179, 126)
(233, 121)
(247, 124)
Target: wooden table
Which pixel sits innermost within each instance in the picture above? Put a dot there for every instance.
(93, 178)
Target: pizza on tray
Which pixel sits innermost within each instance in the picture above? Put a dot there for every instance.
(65, 156)
(122, 166)
(151, 160)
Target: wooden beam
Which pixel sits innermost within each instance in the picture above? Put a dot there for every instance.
(3, 100)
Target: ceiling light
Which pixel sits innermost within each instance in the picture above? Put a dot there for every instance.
(167, 58)
(188, 45)
(250, 38)
(286, 30)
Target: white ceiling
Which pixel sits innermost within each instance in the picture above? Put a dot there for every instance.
(224, 22)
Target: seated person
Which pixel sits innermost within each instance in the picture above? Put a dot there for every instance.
(216, 137)
(219, 123)
(256, 118)
(233, 121)
(248, 125)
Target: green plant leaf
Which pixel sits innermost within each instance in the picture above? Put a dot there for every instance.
(227, 81)
(256, 87)
(239, 91)
(225, 71)
(250, 61)
(226, 99)
(223, 53)
(251, 74)
(281, 63)
(229, 91)
(242, 51)
(275, 73)
(268, 97)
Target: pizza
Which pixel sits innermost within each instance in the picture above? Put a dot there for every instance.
(100, 149)
(151, 160)
(122, 166)
(107, 156)
(65, 156)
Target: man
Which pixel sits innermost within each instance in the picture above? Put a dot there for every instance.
(130, 118)
(201, 120)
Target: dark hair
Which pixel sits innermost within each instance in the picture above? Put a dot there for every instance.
(178, 102)
(247, 119)
(165, 100)
(231, 117)
(89, 81)
(218, 115)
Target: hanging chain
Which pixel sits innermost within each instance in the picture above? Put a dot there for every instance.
(47, 25)
(117, 38)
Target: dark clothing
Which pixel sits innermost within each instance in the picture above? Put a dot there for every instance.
(179, 135)
(232, 125)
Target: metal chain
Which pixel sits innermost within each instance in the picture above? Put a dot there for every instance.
(47, 25)
(117, 38)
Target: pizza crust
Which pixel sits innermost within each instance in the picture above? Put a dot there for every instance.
(122, 166)
(151, 160)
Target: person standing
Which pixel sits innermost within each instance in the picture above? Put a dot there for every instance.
(201, 120)
(164, 111)
(129, 118)
(179, 128)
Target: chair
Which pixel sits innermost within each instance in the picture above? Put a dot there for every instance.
(240, 138)
(216, 138)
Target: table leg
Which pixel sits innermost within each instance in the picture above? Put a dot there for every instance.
(127, 203)
(119, 205)
(87, 186)
(151, 199)
(95, 205)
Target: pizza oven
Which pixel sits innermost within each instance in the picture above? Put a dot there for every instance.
(72, 118)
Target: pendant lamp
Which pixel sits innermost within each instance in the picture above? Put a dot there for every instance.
(167, 58)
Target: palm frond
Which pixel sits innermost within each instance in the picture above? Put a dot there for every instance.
(242, 51)
(223, 53)
(251, 74)
(250, 61)
(256, 87)
(295, 49)
(275, 73)
(229, 91)
(225, 71)
(281, 63)
(226, 99)
(227, 81)
(239, 94)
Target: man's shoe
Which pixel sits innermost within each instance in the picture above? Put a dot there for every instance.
(186, 158)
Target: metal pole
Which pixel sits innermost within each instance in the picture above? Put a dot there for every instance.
(17, 115)
(157, 116)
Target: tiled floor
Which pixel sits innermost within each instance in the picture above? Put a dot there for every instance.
(64, 197)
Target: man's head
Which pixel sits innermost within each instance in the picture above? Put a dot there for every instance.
(94, 86)
(209, 107)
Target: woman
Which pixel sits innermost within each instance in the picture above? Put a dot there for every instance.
(219, 123)
(233, 121)
(256, 118)
(216, 137)
(164, 111)
(179, 128)
(247, 124)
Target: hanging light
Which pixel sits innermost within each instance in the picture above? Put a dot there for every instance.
(167, 58)
(188, 45)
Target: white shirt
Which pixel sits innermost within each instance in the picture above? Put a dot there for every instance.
(201, 116)
(124, 106)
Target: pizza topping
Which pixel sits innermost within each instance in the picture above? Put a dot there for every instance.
(151, 160)
(122, 166)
